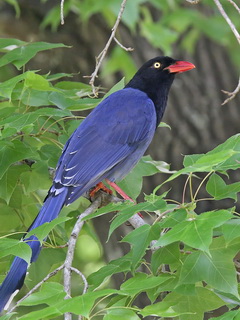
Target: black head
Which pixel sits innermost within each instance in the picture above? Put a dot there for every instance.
(157, 72)
(155, 78)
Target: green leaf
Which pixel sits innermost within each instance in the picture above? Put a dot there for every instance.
(121, 217)
(231, 229)
(166, 255)
(83, 304)
(6, 87)
(61, 101)
(53, 16)
(16, 248)
(230, 315)
(25, 52)
(9, 221)
(50, 153)
(187, 307)
(50, 294)
(42, 231)
(217, 270)
(132, 184)
(37, 176)
(158, 35)
(37, 82)
(11, 152)
(139, 239)
(115, 266)
(223, 157)
(9, 181)
(164, 125)
(128, 211)
(118, 86)
(131, 14)
(161, 166)
(120, 314)
(47, 313)
(189, 160)
(142, 282)
(217, 188)
(7, 316)
(197, 231)
(6, 42)
(174, 217)
(119, 60)
(111, 207)
(21, 121)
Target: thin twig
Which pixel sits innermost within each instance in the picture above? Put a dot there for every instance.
(228, 20)
(184, 188)
(102, 55)
(193, 1)
(235, 5)
(51, 274)
(71, 247)
(122, 46)
(62, 13)
(136, 221)
(83, 279)
(201, 183)
(231, 94)
(237, 35)
(160, 216)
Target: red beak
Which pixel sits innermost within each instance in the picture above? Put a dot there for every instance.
(180, 66)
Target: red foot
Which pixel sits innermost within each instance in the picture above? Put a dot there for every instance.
(122, 193)
(99, 186)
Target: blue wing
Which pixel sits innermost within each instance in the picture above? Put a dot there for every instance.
(108, 143)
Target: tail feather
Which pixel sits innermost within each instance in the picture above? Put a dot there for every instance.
(16, 275)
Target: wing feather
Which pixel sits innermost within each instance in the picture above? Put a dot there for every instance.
(107, 137)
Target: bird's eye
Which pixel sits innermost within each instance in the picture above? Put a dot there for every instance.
(157, 65)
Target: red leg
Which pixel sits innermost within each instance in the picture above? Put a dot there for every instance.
(122, 193)
(119, 190)
(99, 186)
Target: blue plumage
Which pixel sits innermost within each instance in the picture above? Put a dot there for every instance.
(107, 145)
(118, 131)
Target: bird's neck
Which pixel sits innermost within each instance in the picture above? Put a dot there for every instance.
(157, 92)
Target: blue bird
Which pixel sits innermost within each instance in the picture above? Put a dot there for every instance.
(106, 145)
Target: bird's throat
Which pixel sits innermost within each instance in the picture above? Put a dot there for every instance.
(156, 90)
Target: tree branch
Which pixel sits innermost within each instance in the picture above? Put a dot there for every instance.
(237, 35)
(122, 46)
(61, 12)
(101, 199)
(231, 94)
(228, 20)
(235, 5)
(193, 1)
(71, 247)
(51, 274)
(83, 278)
(103, 53)
(84, 281)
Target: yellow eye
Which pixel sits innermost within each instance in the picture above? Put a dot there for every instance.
(157, 65)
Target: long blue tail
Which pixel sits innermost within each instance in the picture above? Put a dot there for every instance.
(16, 275)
